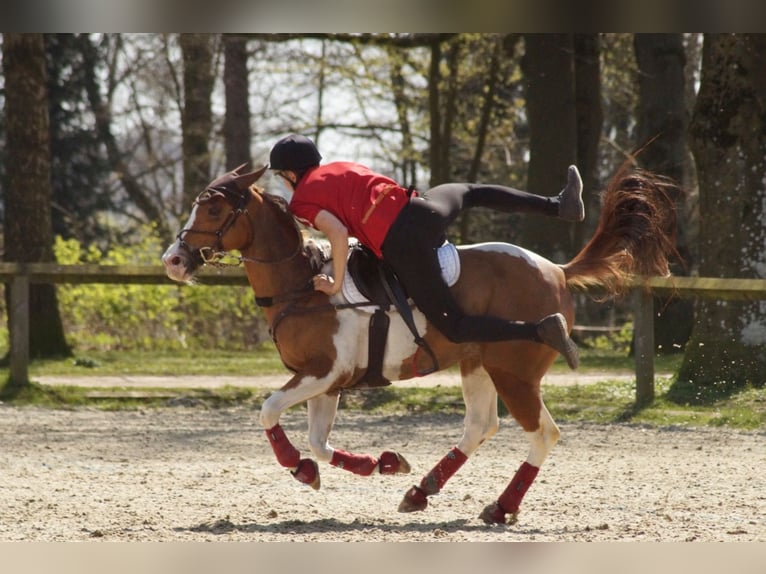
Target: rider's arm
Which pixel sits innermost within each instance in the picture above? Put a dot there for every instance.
(337, 234)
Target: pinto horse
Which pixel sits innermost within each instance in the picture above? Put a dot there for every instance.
(324, 340)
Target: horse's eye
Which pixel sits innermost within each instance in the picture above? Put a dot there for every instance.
(214, 210)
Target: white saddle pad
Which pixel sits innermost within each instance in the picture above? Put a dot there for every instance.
(449, 261)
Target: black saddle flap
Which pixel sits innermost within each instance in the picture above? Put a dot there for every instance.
(368, 273)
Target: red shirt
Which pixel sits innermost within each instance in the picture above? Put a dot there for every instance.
(366, 202)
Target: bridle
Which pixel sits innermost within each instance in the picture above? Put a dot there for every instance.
(214, 255)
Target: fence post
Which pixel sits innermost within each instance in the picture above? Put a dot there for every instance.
(19, 330)
(643, 325)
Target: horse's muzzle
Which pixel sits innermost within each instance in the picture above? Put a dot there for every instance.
(180, 262)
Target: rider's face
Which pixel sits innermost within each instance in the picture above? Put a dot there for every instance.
(288, 176)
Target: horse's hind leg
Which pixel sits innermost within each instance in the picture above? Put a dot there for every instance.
(481, 422)
(321, 415)
(526, 406)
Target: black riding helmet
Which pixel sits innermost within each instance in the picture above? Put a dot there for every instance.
(294, 152)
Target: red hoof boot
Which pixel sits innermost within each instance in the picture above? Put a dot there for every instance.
(307, 472)
(494, 514)
(393, 463)
(414, 500)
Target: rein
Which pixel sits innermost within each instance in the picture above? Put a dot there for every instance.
(214, 257)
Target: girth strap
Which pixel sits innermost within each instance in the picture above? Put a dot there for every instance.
(399, 298)
(290, 296)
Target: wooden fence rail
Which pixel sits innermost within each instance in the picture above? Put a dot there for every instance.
(21, 275)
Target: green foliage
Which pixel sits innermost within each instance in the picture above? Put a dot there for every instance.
(618, 342)
(4, 342)
(144, 317)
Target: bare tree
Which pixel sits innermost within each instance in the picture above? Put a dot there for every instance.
(140, 197)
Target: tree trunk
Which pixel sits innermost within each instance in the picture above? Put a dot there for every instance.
(197, 116)
(662, 128)
(236, 124)
(590, 119)
(28, 230)
(435, 115)
(442, 104)
(488, 104)
(548, 66)
(727, 348)
(409, 162)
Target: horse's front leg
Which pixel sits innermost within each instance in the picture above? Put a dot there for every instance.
(322, 410)
(299, 389)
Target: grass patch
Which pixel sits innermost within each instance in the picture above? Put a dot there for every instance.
(608, 401)
(592, 360)
(262, 360)
(614, 401)
(400, 400)
(125, 398)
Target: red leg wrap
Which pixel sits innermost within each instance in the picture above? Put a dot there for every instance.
(434, 481)
(511, 498)
(287, 454)
(363, 464)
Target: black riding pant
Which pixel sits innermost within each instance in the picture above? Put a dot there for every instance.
(410, 248)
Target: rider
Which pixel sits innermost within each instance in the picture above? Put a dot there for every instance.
(405, 228)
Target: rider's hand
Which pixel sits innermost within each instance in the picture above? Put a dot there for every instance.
(325, 284)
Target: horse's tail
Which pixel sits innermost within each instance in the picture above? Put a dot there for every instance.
(636, 234)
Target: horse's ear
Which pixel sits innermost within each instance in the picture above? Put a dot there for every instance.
(245, 180)
(237, 170)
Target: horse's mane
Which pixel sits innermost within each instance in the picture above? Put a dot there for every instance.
(316, 252)
(279, 202)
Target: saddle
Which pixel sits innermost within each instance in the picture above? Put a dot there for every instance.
(378, 284)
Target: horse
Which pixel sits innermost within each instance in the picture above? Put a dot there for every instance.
(323, 340)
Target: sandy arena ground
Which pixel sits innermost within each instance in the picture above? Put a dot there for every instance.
(189, 473)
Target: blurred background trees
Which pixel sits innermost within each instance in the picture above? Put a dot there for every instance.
(138, 123)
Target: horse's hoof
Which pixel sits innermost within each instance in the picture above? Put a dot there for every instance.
(414, 501)
(494, 514)
(307, 472)
(393, 463)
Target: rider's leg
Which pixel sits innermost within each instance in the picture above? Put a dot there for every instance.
(454, 197)
(417, 266)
